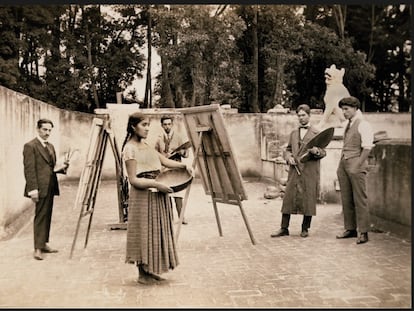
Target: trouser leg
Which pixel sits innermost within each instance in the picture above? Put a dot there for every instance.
(178, 205)
(41, 222)
(348, 206)
(285, 221)
(358, 180)
(306, 222)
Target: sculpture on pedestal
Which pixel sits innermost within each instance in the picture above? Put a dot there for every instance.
(335, 91)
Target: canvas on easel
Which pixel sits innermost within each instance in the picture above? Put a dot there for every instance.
(214, 156)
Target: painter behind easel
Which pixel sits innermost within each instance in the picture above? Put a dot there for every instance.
(151, 244)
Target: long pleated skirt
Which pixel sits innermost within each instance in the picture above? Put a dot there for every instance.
(150, 232)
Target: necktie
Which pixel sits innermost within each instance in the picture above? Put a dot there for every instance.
(304, 128)
(167, 140)
(49, 149)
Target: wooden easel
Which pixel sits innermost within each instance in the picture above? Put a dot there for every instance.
(213, 153)
(99, 136)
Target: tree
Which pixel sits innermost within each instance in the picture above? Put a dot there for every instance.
(9, 47)
(319, 53)
(148, 85)
(382, 32)
(106, 53)
(196, 45)
(33, 29)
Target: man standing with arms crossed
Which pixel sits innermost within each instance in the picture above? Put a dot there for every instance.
(352, 171)
(166, 143)
(39, 159)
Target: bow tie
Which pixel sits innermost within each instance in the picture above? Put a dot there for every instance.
(304, 126)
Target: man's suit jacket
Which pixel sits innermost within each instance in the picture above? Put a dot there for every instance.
(302, 191)
(38, 169)
(297, 148)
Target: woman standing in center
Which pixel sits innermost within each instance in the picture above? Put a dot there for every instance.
(150, 235)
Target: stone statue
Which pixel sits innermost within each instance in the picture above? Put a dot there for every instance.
(335, 91)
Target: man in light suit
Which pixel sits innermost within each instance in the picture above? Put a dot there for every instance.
(165, 144)
(39, 159)
(353, 169)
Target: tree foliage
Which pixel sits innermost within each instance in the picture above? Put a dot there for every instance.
(382, 32)
(252, 57)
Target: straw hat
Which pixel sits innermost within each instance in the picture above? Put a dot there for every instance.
(380, 135)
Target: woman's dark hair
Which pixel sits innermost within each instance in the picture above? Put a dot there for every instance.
(133, 120)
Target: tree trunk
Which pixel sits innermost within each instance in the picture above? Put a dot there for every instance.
(209, 74)
(403, 103)
(340, 17)
(371, 35)
(148, 88)
(255, 88)
(90, 65)
(88, 44)
(280, 77)
(166, 95)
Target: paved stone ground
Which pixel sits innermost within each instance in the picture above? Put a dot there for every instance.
(316, 272)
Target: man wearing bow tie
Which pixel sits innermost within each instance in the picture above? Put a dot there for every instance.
(302, 187)
(39, 159)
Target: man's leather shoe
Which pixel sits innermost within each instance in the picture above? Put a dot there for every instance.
(347, 234)
(304, 233)
(37, 254)
(48, 249)
(363, 238)
(281, 232)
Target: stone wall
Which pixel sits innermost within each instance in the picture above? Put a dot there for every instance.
(389, 187)
(18, 118)
(257, 139)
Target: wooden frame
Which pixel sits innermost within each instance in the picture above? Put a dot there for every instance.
(214, 156)
(99, 136)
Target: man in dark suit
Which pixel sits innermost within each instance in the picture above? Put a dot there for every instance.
(39, 159)
(302, 187)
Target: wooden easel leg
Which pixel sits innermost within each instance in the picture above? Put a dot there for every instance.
(181, 216)
(187, 192)
(247, 223)
(88, 230)
(217, 217)
(76, 234)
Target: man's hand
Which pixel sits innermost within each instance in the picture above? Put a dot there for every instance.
(291, 161)
(35, 197)
(314, 150)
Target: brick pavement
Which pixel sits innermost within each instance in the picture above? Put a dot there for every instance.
(316, 272)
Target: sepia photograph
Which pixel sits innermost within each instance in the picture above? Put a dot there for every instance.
(206, 155)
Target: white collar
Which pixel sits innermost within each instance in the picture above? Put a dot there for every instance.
(42, 141)
(358, 115)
